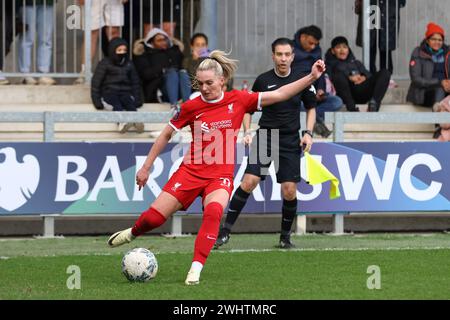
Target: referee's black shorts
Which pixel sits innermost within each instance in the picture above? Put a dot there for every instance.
(285, 154)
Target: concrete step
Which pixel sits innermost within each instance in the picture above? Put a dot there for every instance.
(81, 94)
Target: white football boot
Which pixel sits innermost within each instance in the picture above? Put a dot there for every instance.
(120, 238)
(193, 278)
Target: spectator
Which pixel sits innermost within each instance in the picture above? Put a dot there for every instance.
(159, 63)
(386, 32)
(443, 130)
(109, 13)
(37, 14)
(116, 85)
(199, 51)
(429, 69)
(6, 29)
(307, 52)
(169, 19)
(353, 82)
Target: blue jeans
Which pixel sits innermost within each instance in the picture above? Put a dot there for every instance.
(330, 104)
(43, 20)
(176, 86)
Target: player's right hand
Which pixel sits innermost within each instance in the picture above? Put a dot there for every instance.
(142, 178)
(318, 69)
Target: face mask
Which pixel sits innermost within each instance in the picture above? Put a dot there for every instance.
(121, 58)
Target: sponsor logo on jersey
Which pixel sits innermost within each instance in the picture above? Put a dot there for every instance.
(205, 127)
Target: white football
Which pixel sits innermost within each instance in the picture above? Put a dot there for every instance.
(139, 265)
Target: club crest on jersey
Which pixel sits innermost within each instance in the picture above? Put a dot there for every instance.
(176, 186)
(230, 108)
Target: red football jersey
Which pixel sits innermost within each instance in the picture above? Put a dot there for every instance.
(215, 126)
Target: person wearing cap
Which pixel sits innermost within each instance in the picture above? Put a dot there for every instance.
(429, 69)
(353, 82)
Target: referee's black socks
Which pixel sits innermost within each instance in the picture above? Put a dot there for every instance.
(288, 213)
(237, 203)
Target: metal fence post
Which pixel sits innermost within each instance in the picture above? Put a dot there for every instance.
(49, 126)
(87, 42)
(209, 20)
(366, 33)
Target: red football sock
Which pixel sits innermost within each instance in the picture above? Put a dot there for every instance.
(208, 232)
(149, 220)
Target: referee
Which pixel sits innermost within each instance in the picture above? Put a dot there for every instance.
(282, 118)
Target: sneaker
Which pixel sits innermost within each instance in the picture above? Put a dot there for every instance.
(285, 243)
(29, 81)
(139, 127)
(373, 106)
(223, 238)
(193, 278)
(3, 80)
(392, 84)
(79, 81)
(46, 81)
(322, 130)
(120, 238)
(125, 127)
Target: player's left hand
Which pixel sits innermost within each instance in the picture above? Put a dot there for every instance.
(318, 69)
(306, 143)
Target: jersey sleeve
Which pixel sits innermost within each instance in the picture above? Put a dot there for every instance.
(251, 101)
(309, 98)
(182, 118)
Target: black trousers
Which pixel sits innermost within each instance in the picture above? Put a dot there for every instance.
(374, 87)
(385, 60)
(7, 24)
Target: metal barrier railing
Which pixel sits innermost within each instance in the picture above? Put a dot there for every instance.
(247, 27)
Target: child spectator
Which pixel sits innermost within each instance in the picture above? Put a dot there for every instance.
(159, 63)
(353, 82)
(37, 17)
(115, 84)
(307, 52)
(429, 69)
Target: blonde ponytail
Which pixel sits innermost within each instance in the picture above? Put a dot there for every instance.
(220, 63)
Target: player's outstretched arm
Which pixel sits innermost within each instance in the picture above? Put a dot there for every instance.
(159, 145)
(288, 91)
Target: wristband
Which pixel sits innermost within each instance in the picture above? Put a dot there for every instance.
(307, 132)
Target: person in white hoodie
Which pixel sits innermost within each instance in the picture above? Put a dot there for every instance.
(159, 60)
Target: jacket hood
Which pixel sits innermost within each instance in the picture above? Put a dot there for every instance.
(113, 45)
(152, 33)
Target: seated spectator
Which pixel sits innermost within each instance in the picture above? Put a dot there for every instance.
(159, 64)
(443, 130)
(307, 52)
(37, 17)
(115, 84)
(199, 51)
(429, 69)
(353, 82)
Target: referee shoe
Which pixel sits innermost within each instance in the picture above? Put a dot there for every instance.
(285, 242)
(223, 238)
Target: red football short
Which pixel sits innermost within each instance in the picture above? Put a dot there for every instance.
(187, 187)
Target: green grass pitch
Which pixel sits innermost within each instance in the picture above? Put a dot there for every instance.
(248, 267)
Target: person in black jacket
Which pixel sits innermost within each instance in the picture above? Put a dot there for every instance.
(307, 51)
(115, 84)
(159, 61)
(353, 82)
(429, 69)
